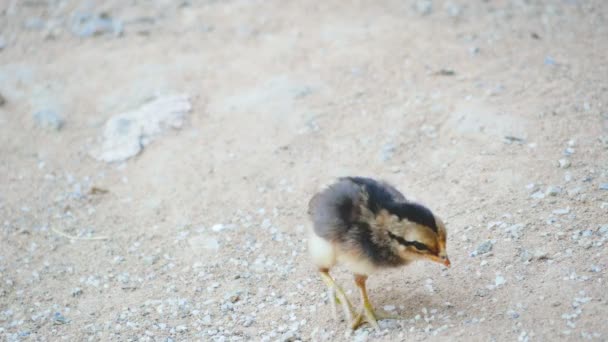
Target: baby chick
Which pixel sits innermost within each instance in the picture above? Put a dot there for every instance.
(368, 225)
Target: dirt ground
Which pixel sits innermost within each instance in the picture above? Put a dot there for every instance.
(492, 113)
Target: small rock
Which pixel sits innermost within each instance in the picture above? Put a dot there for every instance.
(126, 134)
(513, 314)
(58, 318)
(48, 119)
(86, 25)
(217, 227)
(564, 163)
(33, 24)
(604, 186)
(2, 99)
(563, 211)
(540, 255)
(454, 10)
(553, 190)
(569, 151)
(595, 269)
(538, 195)
(483, 248)
(77, 291)
(151, 259)
(204, 243)
(549, 61)
(515, 231)
(388, 150)
(389, 308)
(424, 7)
(2, 43)
(500, 280)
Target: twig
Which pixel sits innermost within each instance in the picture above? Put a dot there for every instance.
(59, 232)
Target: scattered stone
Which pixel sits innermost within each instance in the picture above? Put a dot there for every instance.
(151, 259)
(604, 186)
(77, 291)
(86, 25)
(34, 24)
(512, 314)
(453, 10)
(388, 150)
(515, 231)
(217, 227)
(389, 308)
(564, 163)
(500, 280)
(538, 195)
(483, 248)
(604, 140)
(48, 119)
(553, 190)
(541, 255)
(562, 211)
(429, 131)
(595, 269)
(58, 319)
(446, 72)
(203, 243)
(126, 134)
(424, 7)
(509, 139)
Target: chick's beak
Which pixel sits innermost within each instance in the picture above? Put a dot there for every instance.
(444, 260)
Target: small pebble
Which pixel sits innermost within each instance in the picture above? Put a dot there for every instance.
(483, 248)
(500, 280)
(553, 190)
(562, 211)
(48, 119)
(86, 25)
(389, 308)
(564, 163)
(58, 318)
(424, 7)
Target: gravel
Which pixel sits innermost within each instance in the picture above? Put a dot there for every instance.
(483, 248)
(553, 190)
(86, 25)
(48, 119)
(564, 163)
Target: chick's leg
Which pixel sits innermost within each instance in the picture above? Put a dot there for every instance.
(367, 311)
(368, 314)
(337, 295)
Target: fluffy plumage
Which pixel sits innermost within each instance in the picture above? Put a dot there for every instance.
(368, 224)
(369, 221)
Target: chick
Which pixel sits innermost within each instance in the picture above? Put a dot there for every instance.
(368, 225)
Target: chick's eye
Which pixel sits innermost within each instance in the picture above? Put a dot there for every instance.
(420, 246)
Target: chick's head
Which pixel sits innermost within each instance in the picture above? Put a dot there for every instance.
(416, 241)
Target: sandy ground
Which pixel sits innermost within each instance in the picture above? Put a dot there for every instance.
(466, 106)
